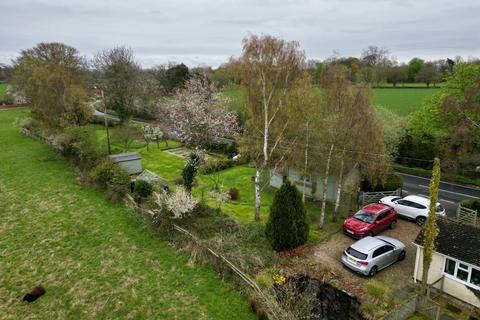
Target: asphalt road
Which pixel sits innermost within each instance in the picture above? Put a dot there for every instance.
(450, 194)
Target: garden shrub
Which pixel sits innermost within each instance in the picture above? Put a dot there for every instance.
(106, 171)
(30, 124)
(143, 188)
(375, 288)
(233, 193)
(213, 166)
(7, 99)
(80, 142)
(264, 279)
(189, 172)
(120, 177)
(393, 181)
(222, 147)
(287, 225)
(473, 204)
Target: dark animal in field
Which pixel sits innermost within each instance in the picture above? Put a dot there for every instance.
(36, 293)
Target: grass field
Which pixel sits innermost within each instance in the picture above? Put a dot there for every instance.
(401, 101)
(95, 259)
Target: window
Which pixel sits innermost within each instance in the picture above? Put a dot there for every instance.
(382, 216)
(404, 203)
(381, 251)
(475, 278)
(365, 216)
(418, 205)
(439, 208)
(450, 266)
(463, 272)
(356, 254)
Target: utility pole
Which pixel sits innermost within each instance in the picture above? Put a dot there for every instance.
(106, 121)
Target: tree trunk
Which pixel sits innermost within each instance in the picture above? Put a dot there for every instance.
(105, 119)
(339, 188)
(325, 186)
(257, 194)
(306, 166)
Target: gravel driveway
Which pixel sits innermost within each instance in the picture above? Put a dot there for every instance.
(396, 276)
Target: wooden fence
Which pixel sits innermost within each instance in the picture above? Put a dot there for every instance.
(371, 197)
(466, 215)
(428, 307)
(403, 311)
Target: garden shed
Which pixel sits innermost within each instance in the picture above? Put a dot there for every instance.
(314, 182)
(152, 178)
(131, 162)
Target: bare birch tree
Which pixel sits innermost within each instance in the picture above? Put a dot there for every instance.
(354, 134)
(267, 70)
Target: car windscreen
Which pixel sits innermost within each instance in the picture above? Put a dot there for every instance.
(439, 208)
(365, 216)
(356, 254)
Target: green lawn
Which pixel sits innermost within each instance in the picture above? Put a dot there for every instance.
(95, 259)
(401, 101)
(170, 167)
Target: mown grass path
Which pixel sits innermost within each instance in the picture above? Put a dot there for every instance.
(95, 259)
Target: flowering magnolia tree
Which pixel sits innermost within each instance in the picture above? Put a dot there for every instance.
(198, 114)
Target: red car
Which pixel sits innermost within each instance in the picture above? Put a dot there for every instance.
(370, 220)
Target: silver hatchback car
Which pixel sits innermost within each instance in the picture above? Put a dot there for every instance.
(372, 254)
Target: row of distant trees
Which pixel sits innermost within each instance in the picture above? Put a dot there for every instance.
(377, 67)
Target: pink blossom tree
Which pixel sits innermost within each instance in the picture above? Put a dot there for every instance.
(198, 114)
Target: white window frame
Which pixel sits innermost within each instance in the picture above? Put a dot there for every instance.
(457, 266)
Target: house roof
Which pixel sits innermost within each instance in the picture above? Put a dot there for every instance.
(128, 156)
(457, 240)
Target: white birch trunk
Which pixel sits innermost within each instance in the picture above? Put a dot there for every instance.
(325, 186)
(305, 166)
(339, 188)
(257, 194)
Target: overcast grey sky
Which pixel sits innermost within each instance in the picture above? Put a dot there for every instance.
(208, 32)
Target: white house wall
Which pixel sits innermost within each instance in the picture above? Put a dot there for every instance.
(436, 267)
(450, 286)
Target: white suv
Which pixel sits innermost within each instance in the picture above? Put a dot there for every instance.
(412, 207)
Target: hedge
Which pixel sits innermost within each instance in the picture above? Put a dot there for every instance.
(393, 181)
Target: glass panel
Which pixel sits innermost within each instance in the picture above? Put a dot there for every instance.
(378, 252)
(450, 267)
(462, 275)
(475, 279)
(463, 266)
(356, 254)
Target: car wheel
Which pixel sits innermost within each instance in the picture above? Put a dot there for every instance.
(373, 271)
(393, 224)
(421, 220)
(401, 256)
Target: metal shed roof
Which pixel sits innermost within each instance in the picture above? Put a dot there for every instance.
(123, 157)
